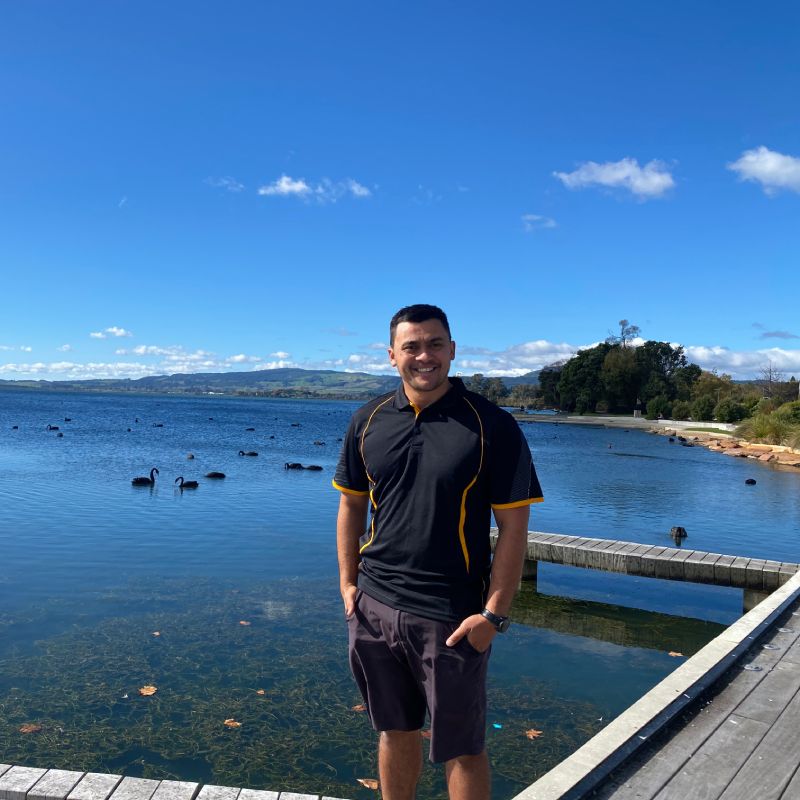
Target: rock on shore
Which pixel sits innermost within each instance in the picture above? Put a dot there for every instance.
(741, 448)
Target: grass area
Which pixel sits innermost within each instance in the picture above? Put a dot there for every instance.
(709, 430)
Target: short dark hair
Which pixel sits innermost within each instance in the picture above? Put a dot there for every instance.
(420, 312)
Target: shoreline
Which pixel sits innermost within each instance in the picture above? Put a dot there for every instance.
(722, 440)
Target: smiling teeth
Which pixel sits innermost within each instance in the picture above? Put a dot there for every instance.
(426, 369)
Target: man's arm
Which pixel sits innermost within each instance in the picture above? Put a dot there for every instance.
(350, 524)
(509, 556)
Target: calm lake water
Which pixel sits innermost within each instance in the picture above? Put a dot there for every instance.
(105, 588)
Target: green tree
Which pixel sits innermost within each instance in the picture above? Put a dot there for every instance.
(729, 410)
(548, 383)
(524, 394)
(681, 409)
(580, 386)
(703, 408)
(620, 378)
(658, 407)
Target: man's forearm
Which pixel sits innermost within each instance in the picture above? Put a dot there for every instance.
(350, 524)
(509, 556)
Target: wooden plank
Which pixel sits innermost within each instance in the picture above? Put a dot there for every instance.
(770, 575)
(210, 792)
(792, 791)
(754, 578)
(722, 570)
(135, 789)
(257, 794)
(661, 563)
(739, 572)
(702, 571)
(772, 764)
(296, 796)
(16, 782)
(648, 568)
(647, 773)
(713, 766)
(179, 790)
(55, 784)
(677, 570)
(95, 786)
(768, 702)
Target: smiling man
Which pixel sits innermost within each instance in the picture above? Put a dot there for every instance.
(423, 596)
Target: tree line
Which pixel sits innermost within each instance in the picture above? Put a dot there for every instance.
(618, 376)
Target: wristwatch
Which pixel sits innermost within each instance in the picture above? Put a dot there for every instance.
(500, 623)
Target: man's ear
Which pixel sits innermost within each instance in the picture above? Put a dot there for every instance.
(391, 357)
(452, 349)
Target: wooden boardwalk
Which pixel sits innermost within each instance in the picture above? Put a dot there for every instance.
(756, 576)
(714, 729)
(32, 783)
(741, 742)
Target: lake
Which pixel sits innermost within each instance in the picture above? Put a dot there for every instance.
(226, 599)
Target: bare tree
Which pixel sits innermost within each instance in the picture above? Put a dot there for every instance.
(770, 377)
(627, 332)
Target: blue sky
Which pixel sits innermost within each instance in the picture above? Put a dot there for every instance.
(219, 186)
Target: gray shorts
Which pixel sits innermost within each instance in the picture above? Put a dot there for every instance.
(403, 667)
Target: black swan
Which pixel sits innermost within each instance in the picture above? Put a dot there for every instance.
(151, 481)
(186, 484)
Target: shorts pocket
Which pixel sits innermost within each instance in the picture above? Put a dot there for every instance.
(348, 617)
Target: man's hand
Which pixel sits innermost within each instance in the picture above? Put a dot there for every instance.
(349, 598)
(478, 630)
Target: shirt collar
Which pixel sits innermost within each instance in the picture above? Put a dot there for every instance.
(457, 389)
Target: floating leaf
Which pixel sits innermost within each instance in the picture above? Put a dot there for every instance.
(262, 692)
(533, 733)
(30, 727)
(243, 622)
(232, 723)
(426, 734)
(146, 691)
(359, 707)
(370, 783)
(675, 654)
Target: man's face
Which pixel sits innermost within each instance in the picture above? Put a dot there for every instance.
(422, 352)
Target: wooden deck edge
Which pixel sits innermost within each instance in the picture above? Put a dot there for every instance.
(35, 783)
(578, 774)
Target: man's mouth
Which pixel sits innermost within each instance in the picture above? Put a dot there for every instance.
(425, 369)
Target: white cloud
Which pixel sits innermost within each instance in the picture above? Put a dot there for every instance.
(651, 180)
(65, 348)
(744, 364)
(26, 348)
(285, 186)
(112, 331)
(323, 191)
(122, 202)
(356, 189)
(774, 171)
(5, 347)
(226, 182)
(241, 358)
(535, 222)
(280, 354)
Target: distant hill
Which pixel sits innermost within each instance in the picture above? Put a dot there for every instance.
(284, 382)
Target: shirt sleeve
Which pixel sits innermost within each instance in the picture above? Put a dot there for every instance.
(351, 474)
(512, 475)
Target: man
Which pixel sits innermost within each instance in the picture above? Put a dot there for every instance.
(422, 595)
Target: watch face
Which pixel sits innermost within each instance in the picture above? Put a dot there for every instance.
(502, 626)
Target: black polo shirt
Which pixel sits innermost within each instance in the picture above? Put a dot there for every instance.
(433, 477)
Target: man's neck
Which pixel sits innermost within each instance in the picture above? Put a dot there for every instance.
(422, 400)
